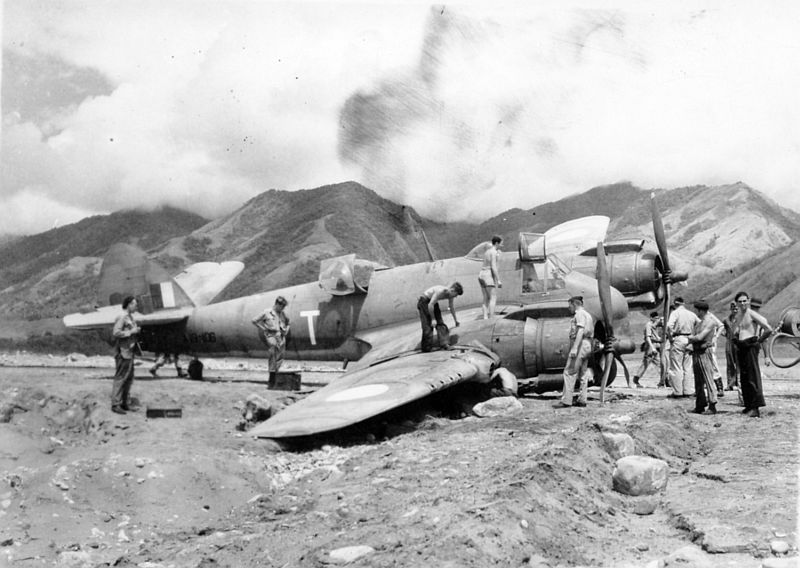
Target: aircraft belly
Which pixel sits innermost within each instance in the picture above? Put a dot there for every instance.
(367, 392)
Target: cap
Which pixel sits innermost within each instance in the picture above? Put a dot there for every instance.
(701, 305)
(755, 302)
(576, 299)
(281, 300)
(678, 301)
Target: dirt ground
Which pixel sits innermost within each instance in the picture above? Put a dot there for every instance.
(80, 486)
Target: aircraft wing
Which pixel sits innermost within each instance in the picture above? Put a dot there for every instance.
(105, 317)
(364, 393)
(573, 237)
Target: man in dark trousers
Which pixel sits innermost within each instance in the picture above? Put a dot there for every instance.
(702, 365)
(731, 359)
(428, 308)
(751, 330)
(125, 331)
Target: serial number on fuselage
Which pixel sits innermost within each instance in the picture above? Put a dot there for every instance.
(205, 337)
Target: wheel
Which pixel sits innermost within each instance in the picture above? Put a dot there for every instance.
(195, 370)
(597, 367)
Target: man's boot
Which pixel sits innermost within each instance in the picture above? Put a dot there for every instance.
(712, 407)
(636, 382)
(273, 379)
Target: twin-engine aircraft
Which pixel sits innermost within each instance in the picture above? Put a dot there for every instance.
(365, 314)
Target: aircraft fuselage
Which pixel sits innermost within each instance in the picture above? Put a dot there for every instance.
(330, 327)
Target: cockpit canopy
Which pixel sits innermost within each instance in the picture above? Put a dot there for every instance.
(347, 274)
(540, 273)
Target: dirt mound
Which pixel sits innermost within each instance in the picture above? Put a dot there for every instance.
(85, 487)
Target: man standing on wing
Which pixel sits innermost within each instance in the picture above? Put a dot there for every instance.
(429, 311)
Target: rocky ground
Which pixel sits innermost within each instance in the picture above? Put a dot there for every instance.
(80, 486)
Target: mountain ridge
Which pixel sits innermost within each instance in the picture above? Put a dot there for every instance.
(722, 235)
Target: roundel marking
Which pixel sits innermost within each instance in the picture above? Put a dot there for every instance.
(356, 393)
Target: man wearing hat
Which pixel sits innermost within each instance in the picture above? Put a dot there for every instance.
(679, 327)
(581, 332)
(273, 324)
(701, 341)
(650, 345)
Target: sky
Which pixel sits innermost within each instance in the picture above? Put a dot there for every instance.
(461, 111)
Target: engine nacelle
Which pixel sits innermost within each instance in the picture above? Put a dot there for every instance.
(536, 350)
(790, 321)
(634, 269)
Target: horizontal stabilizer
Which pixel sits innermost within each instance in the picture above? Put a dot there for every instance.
(104, 318)
(365, 393)
(204, 281)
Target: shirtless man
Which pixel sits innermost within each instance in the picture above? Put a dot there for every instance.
(489, 277)
(428, 308)
(751, 329)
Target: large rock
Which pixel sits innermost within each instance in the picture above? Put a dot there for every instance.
(640, 475)
(618, 445)
(499, 406)
(348, 554)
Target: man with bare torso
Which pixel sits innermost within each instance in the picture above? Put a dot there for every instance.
(429, 311)
(751, 329)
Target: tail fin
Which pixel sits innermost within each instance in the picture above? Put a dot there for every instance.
(126, 271)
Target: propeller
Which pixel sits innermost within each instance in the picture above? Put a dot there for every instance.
(604, 290)
(666, 277)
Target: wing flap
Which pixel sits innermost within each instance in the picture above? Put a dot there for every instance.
(367, 392)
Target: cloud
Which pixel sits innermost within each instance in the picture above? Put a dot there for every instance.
(461, 112)
(506, 111)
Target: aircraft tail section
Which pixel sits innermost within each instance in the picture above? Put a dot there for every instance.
(204, 281)
(127, 271)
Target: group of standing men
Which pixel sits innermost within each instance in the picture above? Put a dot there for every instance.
(272, 323)
(692, 339)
